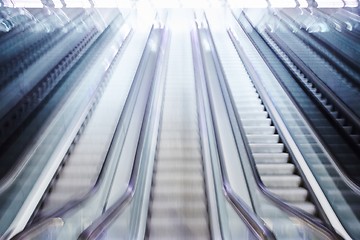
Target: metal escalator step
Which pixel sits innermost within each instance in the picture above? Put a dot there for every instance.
(251, 100)
(167, 153)
(291, 195)
(271, 158)
(259, 130)
(178, 177)
(305, 206)
(76, 171)
(275, 169)
(281, 181)
(244, 109)
(271, 138)
(185, 209)
(267, 147)
(179, 126)
(256, 122)
(190, 143)
(184, 135)
(255, 115)
(65, 184)
(172, 166)
(177, 228)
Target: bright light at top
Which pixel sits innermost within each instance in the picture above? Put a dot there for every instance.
(27, 3)
(248, 4)
(282, 3)
(351, 3)
(303, 3)
(77, 3)
(184, 3)
(330, 3)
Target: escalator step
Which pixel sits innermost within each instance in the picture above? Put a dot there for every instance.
(273, 138)
(271, 158)
(175, 227)
(305, 206)
(287, 181)
(291, 195)
(256, 122)
(267, 147)
(259, 130)
(275, 169)
(187, 209)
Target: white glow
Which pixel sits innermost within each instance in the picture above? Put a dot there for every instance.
(351, 3)
(282, 3)
(107, 3)
(77, 4)
(195, 4)
(248, 4)
(28, 3)
(57, 3)
(330, 4)
(166, 3)
(303, 3)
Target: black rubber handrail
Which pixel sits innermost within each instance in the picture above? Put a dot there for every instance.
(58, 213)
(301, 215)
(253, 222)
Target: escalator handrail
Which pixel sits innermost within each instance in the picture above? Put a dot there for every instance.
(253, 222)
(306, 218)
(349, 182)
(110, 215)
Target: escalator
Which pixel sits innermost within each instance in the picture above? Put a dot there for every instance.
(77, 193)
(341, 193)
(56, 127)
(331, 85)
(178, 205)
(327, 38)
(168, 194)
(273, 162)
(336, 125)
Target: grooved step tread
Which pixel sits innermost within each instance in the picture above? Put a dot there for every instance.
(178, 228)
(281, 181)
(275, 169)
(249, 130)
(267, 147)
(291, 195)
(271, 158)
(271, 138)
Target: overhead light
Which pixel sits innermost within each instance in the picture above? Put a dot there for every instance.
(248, 4)
(351, 3)
(303, 4)
(330, 4)
(282, 3)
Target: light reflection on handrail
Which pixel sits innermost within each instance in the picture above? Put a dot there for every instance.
(254, 223)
